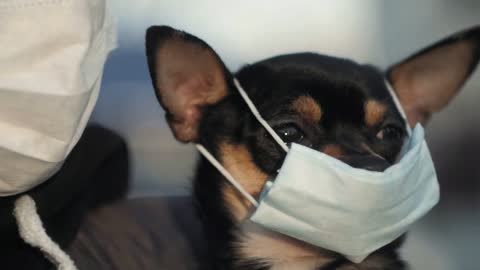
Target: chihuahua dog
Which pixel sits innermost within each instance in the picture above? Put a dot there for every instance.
(333, 105)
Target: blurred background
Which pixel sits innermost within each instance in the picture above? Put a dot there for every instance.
(378, 32)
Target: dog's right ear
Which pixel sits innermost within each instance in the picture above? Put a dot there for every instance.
(427, 81)
(187, 75)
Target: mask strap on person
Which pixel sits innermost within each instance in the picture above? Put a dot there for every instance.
(219, 166)
(32, 231)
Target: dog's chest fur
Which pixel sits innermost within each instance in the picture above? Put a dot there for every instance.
(284, 253)
(279, 251)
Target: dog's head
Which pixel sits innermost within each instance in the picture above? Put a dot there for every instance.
(330, 104)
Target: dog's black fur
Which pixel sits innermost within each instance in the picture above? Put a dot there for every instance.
(329, 104)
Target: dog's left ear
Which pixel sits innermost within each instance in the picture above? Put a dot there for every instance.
(427, 81)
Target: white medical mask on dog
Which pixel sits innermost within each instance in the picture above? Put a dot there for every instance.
(327, 203)
(51, 63)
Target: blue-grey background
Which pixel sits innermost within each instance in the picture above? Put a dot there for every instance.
(379, 32)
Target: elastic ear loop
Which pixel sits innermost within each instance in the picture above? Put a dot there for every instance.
(399, 106)
(219, 166)
(257, 115)
(225, 173)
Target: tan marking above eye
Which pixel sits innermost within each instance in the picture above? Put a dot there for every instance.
(239, 162)
(333, 150)
(308, 108)
(374, 112)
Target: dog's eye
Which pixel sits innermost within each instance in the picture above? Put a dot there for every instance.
(289, 133)
(390, 132)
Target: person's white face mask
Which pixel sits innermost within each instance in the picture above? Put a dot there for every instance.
(325, 202)
(51, 63)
